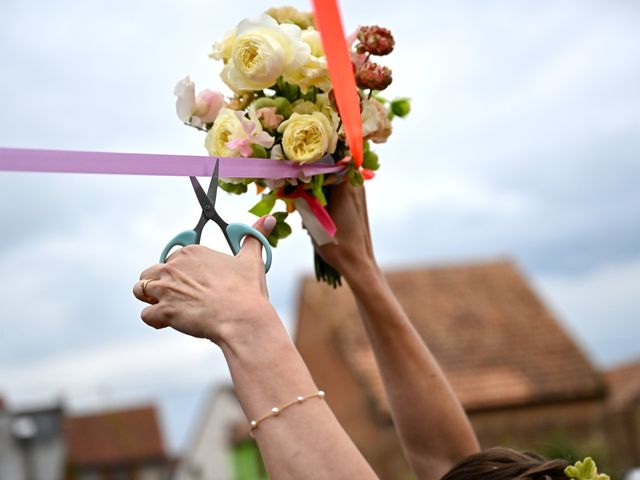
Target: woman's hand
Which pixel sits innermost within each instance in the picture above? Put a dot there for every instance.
(205, 293)
(353, 252)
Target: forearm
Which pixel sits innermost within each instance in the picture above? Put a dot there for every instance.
(305, 440)
(433, 427)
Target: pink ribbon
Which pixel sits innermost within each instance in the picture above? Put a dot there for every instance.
(316, 208)
(63, 161)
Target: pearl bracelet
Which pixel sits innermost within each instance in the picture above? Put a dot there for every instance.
(275, 411)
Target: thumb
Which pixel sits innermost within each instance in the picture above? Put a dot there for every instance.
(251, 246)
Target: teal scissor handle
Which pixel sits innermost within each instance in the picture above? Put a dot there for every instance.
(188, 237)
(237, 231)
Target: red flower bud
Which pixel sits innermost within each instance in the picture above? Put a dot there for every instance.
(375, 40)
(373, 76)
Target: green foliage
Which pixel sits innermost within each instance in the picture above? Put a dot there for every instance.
(371, 160)
(560, 445)
(258, 151)
(235, 188)
(264, 102)
(326, 273)
(316, 188)
(354, 176)
(265, 205)
(287, 90)
(585, 470)
(283, 106)
(281, 230)
(400, 107)
(310, 95)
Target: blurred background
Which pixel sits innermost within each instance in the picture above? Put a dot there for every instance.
(522, 148)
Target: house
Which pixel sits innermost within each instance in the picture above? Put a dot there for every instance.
(220, 447)
(122, 444)
(623, 413)
(521, 378)
(31, 443)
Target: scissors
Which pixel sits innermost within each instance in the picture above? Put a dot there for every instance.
(233, 232)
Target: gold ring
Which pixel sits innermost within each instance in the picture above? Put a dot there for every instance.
(144, 287)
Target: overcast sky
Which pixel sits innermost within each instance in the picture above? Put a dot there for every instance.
(523, 142)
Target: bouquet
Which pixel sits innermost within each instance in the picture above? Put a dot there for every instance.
(283, 108)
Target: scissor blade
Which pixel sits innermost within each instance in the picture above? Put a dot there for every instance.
(213, 185)
(203, 198)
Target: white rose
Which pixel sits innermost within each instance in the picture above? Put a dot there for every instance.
(232, 135)
(226, 127)
(314, 72)
(262, 51)
(222, 50)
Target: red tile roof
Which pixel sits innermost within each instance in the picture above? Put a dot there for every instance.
(118, 437)
(495, 340)
(624, 384)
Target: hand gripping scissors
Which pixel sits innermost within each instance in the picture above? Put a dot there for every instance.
(233, 232)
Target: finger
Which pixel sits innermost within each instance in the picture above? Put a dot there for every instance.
(143, 290)
(152, 272)
(154, 317)
(253, 246)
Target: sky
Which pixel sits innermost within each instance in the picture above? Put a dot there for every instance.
(523, 143)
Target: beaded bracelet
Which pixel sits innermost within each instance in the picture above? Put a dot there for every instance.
(275, 411)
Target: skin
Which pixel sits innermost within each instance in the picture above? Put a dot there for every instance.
(212, 295)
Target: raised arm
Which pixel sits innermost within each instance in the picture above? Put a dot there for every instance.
(222, 298)
(433, 428)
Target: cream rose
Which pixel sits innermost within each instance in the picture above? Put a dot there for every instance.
(307, 137)
(314, 72)
(291, 15)
(262, 51)
(232, 135)
(222, 50)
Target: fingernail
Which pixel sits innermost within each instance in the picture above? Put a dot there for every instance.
(269, 223)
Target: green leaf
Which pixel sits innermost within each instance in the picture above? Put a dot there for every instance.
(264, 206)
(258, 151)
(273, 240)
(311, 94)
(370, 160)
(282, 230)
(280, 216)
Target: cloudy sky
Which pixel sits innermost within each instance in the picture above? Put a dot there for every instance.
(524, 142)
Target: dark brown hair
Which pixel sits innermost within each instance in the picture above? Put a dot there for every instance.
(506, 464)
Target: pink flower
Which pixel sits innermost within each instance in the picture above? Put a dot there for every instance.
(269, 117)
(196, 111)
(207, 106)
(375, 40)
(357, 58)
(373, 76)
(252, 134)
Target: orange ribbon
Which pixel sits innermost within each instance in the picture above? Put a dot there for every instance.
(340, 69)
